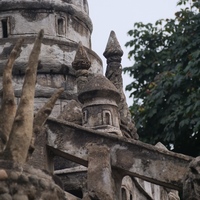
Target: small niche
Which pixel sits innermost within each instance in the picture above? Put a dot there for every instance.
(60, 26)
(107, 118)
(85, 116)
(4, 23)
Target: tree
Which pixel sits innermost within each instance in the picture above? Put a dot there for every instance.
(166, 79)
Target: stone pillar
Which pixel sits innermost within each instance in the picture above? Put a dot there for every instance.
(99, 175)
(113, 54)
(117, 183)
(191, 182)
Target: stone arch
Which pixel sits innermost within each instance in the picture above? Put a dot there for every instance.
(129, 187)
(124, 193)
(107, 117)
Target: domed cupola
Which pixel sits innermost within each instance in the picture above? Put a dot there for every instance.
(100, 110)
(64, 22)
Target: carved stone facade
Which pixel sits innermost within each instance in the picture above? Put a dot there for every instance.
(65, 23)
(90, 149)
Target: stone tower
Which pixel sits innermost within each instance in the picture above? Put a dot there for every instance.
(98, 96)
(65, 23)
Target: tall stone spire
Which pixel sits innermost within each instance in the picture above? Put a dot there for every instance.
(113, 54)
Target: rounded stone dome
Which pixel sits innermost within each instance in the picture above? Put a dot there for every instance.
(99, 87)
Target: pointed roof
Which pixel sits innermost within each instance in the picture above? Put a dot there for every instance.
(81, 60)
(113, 47)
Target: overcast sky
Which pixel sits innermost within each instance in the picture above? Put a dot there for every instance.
(120, 16)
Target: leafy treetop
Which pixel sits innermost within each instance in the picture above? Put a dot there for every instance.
(166, 79)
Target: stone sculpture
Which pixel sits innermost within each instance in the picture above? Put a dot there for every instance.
(91, 139)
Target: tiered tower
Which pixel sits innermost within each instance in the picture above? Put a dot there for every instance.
(65, 24)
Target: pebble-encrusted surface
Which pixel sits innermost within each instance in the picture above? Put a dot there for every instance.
(27, 183)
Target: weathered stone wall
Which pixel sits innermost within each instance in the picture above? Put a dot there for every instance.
(29, 22)
(65, 23)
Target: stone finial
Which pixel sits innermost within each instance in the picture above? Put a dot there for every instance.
(113, 47)
(113, 54)
(81, 60)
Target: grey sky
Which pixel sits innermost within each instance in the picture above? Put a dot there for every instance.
(120, 16)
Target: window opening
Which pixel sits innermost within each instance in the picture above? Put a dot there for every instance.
(85, 116)
(60, 26)
(107, 120)
(4, 23)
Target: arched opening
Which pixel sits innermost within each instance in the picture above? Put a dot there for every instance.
(4, 23)
(107, 118)
(124, 196)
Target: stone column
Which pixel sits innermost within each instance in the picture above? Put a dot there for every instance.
(99, 176)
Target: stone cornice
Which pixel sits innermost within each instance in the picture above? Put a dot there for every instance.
(6, 5)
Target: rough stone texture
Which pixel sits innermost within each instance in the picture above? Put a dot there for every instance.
(3, 175)
(109, 157)
(27, 183)
(191, 187)
(130, 157)
(65, 23)
(39, 158)
(99, 179)
(74, 181)
(100, 110)
(113, 54)
(81, 64)
(31, 10)
(72, 112)
(139, 189)
(81, 60)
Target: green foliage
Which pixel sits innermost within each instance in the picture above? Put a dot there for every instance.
(166, 74)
